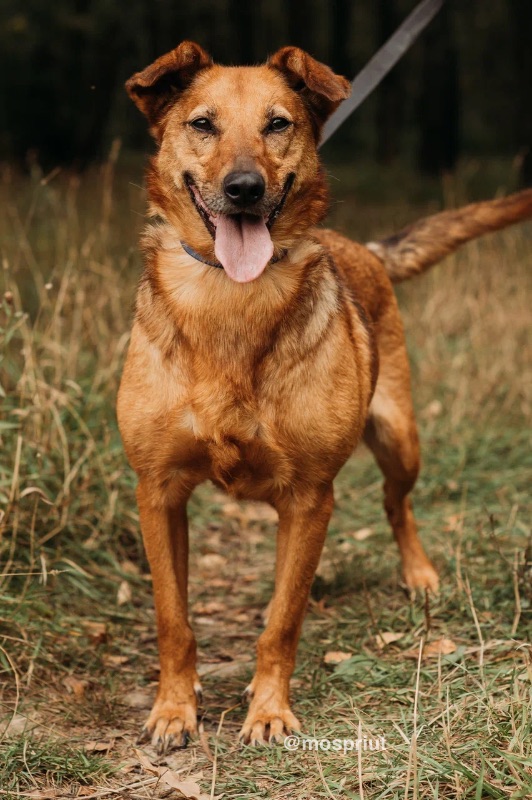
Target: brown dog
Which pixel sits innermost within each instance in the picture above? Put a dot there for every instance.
(263, 349)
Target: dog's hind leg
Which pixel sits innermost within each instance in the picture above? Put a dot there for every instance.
(165, 534)
(391, 434)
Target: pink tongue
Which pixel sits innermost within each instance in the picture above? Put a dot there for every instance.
(243, 246)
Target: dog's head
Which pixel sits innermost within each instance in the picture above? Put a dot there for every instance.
(236, 171)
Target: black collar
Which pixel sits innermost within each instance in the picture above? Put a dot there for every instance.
(199, 257)
(188, 249)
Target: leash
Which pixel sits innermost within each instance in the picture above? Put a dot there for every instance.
(382, 62)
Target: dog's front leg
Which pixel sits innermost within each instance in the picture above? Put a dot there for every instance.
(303, 521)
(165, 534)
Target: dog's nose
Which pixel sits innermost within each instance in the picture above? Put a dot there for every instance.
(244, 188)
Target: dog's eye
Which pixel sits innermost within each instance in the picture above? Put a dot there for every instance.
(202, 124)
(278, 124)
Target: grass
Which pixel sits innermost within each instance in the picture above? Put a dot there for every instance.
(78, 656)
(28, 760)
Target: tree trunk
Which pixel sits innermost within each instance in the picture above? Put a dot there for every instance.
(301, 18)
(243, 17)
(439, 106)
(521, 22)
(341, 12)
(390, 94)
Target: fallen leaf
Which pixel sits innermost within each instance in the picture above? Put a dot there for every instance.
(128, 765)
(129, 567)
(250, 512)
(145, 762)
(224, 669)
(454, 522)
(387, 637)
(346, 547)
(260, 512)
(362, 534)
(75, 686)
(124, 593)
(99, 747)
(433, 410)
(212, 561)
(212, 607)
(114, 661)
(336, 657)
(96, 631)
(443, 647)
(326, 569)
(231, 510)
(138, 699)
(189, 789)
(20, 724)
(251, 577)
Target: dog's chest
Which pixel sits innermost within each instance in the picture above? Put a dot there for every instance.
(256, 443)
(239, 443)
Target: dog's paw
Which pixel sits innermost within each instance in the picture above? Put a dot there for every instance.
(421, 575)
(172, 722)
(268, 720)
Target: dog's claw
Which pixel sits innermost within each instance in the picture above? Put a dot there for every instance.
(174, 741)
(170, 724)
(263, 727)
(144, 736)
(164, 744)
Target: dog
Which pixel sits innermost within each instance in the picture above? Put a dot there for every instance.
(263, 348)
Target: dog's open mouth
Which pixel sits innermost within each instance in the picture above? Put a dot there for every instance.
(242, 242)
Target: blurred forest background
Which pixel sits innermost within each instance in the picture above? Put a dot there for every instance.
(463, 89)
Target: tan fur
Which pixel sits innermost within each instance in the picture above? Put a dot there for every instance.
(418, 247)
(264, 388)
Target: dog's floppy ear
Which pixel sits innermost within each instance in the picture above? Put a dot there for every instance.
(320, 88)
(156, 86)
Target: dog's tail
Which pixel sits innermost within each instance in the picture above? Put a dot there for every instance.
(418, 247)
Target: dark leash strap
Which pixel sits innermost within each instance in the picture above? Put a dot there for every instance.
(382, 62)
